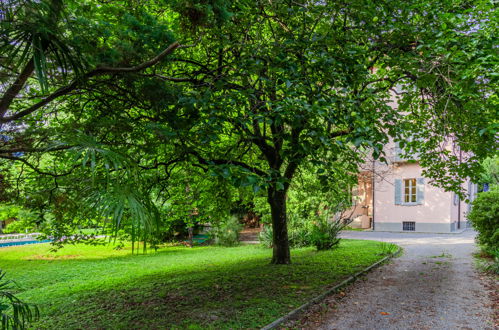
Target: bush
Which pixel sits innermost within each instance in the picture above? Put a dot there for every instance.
(265, 236)
(227, 233)
(298, 233)
(493, 264)
(299, 230)
(325, 234)
(318, 232)
(25, 220)
(484, 217)
(387, 248)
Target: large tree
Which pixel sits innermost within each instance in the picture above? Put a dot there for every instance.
(276, 85)
(289, 82)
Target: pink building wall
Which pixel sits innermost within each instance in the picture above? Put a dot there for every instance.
(436, 213)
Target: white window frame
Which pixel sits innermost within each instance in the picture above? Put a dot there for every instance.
(409, 191)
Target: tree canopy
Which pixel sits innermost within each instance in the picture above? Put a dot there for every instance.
(110, 104)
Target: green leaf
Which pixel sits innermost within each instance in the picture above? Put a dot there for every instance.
(279, 185)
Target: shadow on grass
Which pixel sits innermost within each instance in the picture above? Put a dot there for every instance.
(236, 293)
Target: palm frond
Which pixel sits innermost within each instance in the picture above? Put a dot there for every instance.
(14, 313)
(115, 193)
(34, 31)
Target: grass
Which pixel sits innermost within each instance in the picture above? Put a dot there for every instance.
(176, 287)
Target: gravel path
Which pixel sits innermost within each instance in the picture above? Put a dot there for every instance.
(433, 285)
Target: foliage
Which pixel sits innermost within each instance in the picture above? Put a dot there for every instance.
(8, 211)
(250, 93)
(227, 233)
(493, 264)
(491, 171)
(299, 231)
(14, 313)
(266, 236)
(57, 46)
(484, 217)
(313, 231)
(313, 195)
(325, 233)
(387, 248)
(25, 221)
(176, 287)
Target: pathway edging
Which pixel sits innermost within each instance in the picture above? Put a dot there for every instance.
(329, 292)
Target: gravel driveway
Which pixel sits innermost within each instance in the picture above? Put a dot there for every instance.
(433, 285)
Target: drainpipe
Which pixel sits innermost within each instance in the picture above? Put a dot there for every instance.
(459, 204)
(372, 197)
(459, 214)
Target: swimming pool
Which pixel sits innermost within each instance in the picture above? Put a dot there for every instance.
(23, 243)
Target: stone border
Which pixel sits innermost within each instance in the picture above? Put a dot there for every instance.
(329, 292)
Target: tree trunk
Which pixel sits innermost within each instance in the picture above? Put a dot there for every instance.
(277, 201)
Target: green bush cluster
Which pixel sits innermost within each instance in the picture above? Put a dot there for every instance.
(226, 233)
(484, 217)
(24, 220)
(324, 235)
(318, 232)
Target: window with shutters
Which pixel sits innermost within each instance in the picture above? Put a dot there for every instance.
(410, 191)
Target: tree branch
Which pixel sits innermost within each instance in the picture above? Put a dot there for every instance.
(97, 72)
(48, 149)
(36, 169)
(204, 161)
(16, 87)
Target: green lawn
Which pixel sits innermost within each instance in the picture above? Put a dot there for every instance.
(203, 287)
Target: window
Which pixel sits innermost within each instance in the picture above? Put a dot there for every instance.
(409, 225)
(410, 191)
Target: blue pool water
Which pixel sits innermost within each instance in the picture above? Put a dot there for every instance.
(23, 243)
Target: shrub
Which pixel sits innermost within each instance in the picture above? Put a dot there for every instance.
(484, 217)
(387, 248)
(227, 233)
(299, 229)
(299, 237)
(265, 236)
(298, 233)
(24, 220)
(314, 231)
(493, 265)
(325, 234)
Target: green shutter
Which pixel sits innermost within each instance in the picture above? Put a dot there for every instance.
(420, 191)
(398, 192)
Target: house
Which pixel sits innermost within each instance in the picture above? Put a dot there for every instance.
(396, 197)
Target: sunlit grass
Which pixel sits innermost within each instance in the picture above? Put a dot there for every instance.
(100, 287)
